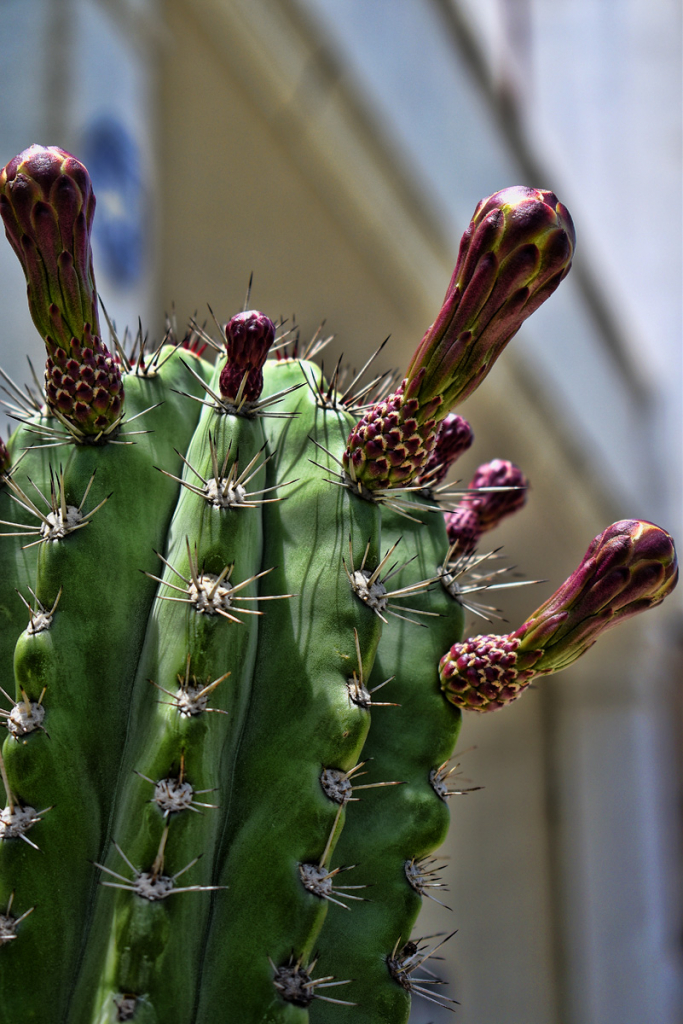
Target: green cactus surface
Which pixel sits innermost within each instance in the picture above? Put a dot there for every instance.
(232, 661)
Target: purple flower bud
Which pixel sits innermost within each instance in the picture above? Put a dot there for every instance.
(248, 338)
(478, 513)
(47, 205)
(454, 437)
(517, 249)
(628, 568)
(463, 529)
(484, 673)
(84, 385)
(387, 448)
(514, 254)
(495, 506)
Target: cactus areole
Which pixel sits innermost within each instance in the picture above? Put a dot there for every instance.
(227, 759)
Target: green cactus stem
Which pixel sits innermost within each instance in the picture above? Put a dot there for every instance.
(202, 633)
(265, 925)
(413, 817)
(84, 657)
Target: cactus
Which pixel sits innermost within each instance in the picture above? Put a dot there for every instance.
(496, 490)
(228, 604)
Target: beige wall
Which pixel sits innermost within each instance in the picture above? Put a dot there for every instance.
(245, 190)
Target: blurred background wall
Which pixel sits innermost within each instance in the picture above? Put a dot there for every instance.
(337, 149)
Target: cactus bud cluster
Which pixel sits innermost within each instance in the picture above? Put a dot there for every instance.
(629, 567)
(47, 205)
(517, 249)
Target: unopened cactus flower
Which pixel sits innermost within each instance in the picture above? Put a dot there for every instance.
(84, 384)
(494, 506)
(518, 247)
(453, 439)
(248, 336)
(463, 529)
(628, 568)
(516, 250)
(476, 514)
(47, 205)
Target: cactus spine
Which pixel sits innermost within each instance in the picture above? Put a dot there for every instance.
(213, 605)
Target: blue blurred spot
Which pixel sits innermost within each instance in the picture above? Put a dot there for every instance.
(113, 159)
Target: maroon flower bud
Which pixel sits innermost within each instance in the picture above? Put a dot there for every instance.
(628, 568)
(454, 437)
(463, 529)
(495, 506)
(478, 513)
(514, 254)
(47, 205)
(517, 249)
(84, 386)
(484, 672)
(387, 448)
(248, 338)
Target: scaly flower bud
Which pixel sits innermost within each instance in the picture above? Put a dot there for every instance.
(463, 529)
(486, 510)
(514, 254)
(248, 338)
(497, 505)
(47, 205)
(517, 249)
(454, 437)
(628, 568)
(386, 448)
(84, 384)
